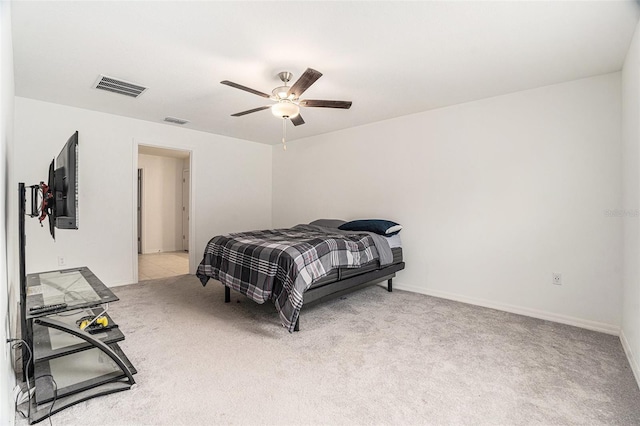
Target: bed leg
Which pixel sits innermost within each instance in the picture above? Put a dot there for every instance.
(227, 294)
(390, 285)
(297, 326)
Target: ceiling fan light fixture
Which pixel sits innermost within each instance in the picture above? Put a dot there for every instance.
(285, 109)
(282, 92)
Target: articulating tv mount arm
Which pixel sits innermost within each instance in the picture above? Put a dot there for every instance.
(46, 206)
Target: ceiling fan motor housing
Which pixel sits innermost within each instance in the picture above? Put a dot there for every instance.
(282, 92)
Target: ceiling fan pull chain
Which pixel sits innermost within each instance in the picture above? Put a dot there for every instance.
(284, 133)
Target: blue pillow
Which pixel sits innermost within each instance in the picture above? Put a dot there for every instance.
(379, 226)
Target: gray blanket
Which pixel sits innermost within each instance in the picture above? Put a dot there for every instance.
(384, 251)
(281, 264)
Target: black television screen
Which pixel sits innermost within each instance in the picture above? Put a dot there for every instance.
(65, 186)
(49, 206)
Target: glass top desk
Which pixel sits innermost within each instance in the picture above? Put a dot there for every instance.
(77, 287)
(84, 365)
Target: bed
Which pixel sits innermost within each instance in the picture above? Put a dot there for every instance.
(306, 264)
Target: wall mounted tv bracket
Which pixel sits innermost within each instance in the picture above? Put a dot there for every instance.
(47, 204)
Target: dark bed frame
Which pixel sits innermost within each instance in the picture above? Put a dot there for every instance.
(342, 286)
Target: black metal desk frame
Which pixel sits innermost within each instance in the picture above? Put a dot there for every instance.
(121, 376)
(118, 378)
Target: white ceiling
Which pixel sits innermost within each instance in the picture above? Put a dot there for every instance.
(389, 58)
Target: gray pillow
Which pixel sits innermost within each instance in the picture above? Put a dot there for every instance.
(328, 223)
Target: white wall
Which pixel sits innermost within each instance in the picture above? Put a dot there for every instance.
(231, 184)
(162, 203)
(630, 334)
(8, 290)
(494, 195)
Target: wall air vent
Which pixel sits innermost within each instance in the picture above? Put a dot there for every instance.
(175, 120)
(122, 87)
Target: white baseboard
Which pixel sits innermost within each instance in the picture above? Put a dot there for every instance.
(633, 361)
(156, 250)
(121, 283)
(549, 316)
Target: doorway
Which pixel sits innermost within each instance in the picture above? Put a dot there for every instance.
(163, 212)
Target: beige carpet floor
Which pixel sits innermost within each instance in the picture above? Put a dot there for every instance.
(371, 357)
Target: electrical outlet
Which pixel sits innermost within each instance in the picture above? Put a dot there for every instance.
(61, 261)
(556, 278)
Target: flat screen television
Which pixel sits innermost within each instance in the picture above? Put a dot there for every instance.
(60, 203)
(61, 200)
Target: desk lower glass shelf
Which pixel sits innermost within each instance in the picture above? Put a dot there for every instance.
(49, 343)
(77, 372)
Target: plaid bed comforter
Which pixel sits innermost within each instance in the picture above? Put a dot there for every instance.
(280, 264)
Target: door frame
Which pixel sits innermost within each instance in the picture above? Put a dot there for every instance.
(139, 204)
(188, 204)
(192, 222)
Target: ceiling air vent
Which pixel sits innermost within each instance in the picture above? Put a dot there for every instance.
(176, 120)
(122, 87)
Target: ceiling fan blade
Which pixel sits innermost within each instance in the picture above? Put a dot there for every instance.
(325, 104)
(297, 120)
(249, 111)
(245, 88)
(304, 82)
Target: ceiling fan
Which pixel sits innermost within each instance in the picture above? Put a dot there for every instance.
(288, 97)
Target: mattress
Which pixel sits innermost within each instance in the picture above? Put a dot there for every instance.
(394, 241)
(343, 273)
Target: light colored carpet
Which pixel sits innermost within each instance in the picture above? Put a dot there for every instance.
(371, 357)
